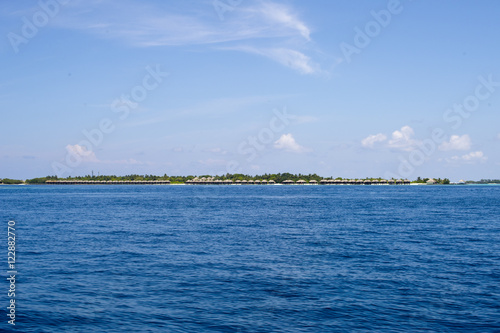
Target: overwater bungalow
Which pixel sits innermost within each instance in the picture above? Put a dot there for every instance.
(212, 181)
(107, 182)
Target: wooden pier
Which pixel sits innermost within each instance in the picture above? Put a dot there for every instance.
(108, 182)
(212, 181)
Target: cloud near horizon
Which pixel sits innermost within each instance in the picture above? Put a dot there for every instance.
(472, 157)
(400, 139)
(403, 140)
(288, 143)
(84, 155)
(371, 140)
(456, 142)
(81, 152)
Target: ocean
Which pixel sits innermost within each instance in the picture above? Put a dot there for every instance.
(254, 258)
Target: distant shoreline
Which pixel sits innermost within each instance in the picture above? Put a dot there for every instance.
(278, 184)
(247, 185)
(236, 179)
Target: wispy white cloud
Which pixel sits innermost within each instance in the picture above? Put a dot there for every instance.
(137, 24)
(456, 142)
(143, 24)
(216, 151)
(213, 162)
(282, 16)
(129, 161)
(303, 119)
(293, 59)
(288, 143)
(371, 140)
(472, 157)
(212, 107)
(140, 24)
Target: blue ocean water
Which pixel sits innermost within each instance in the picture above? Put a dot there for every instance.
(255, 258)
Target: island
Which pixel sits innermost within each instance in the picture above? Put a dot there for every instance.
(232, 179)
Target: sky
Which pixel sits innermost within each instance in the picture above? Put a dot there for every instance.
(351, 89)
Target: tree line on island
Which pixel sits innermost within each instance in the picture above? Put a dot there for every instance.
(276, 177)
(8, 181)
(444, 181)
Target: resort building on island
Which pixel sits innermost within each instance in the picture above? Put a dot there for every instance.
(214, 181)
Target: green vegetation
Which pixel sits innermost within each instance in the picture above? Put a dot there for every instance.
(444, 181)
(277, 177)
(280, 177)
(9, 181)
(40, 180)
(484, 181)
(420, 180)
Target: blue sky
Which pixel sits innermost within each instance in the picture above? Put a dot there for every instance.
(341, 88)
